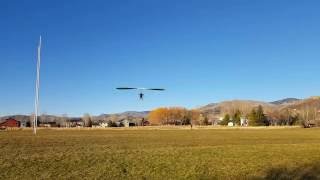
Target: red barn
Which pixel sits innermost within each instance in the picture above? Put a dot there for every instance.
(10, 123)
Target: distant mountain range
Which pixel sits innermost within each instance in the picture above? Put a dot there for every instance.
(124, 115)
(102, 117)
(130, 113)
(213, 108)
(285, 101)
(247, 105)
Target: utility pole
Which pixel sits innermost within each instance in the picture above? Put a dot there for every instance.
(36, 104)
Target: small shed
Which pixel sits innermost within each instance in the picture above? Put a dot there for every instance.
(230, 124)
(23, 124)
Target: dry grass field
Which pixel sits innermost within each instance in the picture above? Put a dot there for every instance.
(264, 153)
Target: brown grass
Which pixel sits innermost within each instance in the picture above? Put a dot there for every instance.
(151, 153)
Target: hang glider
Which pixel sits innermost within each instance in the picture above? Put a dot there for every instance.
(141, 94)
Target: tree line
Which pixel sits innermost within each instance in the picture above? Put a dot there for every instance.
(306, 114)
(177, 116)
(306, 117)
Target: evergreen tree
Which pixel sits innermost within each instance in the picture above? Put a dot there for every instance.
(205, 120)
(257, 117)
(225, 120)
(252, 118)
(237, 117)
(262, 119)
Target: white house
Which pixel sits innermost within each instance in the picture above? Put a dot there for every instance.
(125, 123)
(104, 124)
(230, 124)
(243, 121)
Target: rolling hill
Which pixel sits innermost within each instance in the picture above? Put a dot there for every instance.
(213, 108)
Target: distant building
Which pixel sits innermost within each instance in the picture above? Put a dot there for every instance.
(125, 123)
(244, 121)
(100, 124)
(104, 124)
(230, 124)
(48, 124)
(10, 123)
(23, 124)
(95, 125)
(76, 122)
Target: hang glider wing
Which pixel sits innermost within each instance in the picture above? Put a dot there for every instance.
(151, 89)
(126, 88)
(156, 89)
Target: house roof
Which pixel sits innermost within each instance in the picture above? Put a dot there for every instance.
(9, 119)
(75, 120)
(4, 120)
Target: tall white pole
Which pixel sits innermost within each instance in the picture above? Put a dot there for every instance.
(36, 104)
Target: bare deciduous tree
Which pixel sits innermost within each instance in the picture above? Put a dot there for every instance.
(87, 119)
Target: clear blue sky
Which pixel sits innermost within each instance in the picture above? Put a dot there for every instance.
(201, 51)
